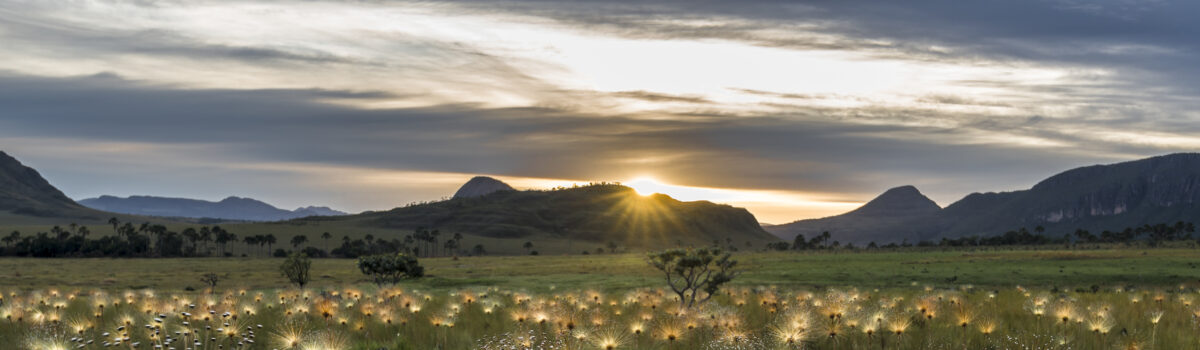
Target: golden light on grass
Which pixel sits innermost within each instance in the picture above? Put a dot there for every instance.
(899, 325)
(1100, 324)
(987, 326)
(1064, 312)
(788, 335)
(557, 320)
(290, 337)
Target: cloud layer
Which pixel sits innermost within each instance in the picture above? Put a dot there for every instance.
(372, 105)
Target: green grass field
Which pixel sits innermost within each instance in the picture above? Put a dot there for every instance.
(1050, 268)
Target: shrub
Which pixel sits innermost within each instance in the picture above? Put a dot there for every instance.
(390, 268)
(691, 271)
(296, 268)
(314, 252)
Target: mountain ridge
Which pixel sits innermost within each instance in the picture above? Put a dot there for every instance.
(1151, 190)
(229, 208)
(598, 213)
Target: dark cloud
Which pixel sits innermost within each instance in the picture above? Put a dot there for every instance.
(69, 38)
(1152, 41)
(656, 97)
(766, 152)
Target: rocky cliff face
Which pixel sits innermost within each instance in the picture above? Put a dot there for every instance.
(1162, 189)
(1146, 191)
(480, 186)
(1104, 190)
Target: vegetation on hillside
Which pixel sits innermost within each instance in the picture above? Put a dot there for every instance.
(596, 213)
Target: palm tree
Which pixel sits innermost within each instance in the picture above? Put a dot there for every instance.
(84, 231)
(60, 233)
(250, 240)
(298, 240)
(326, 236)
(191, 235)
(433, 239)
(269, 240)
(114, 222)
(222, 238)
(12, 238)
(205, 237)
(527, 246)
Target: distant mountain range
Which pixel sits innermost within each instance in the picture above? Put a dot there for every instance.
(1163, 189)
(599, 213)
(231, 208)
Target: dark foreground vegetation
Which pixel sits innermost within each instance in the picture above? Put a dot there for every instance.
(152, 240)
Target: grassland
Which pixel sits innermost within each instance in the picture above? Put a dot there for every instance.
(764, 317)
(1005, 299)
(1064, 269)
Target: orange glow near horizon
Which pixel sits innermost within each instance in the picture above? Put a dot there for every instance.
(646, 186)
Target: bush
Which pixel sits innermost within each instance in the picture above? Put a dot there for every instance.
(390, 268)
(280, 253)
(296, 268)
(314, 252)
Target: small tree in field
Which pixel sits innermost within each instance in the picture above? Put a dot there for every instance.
(295, 268)
(390, 268)
(692, 271)
(211, 280)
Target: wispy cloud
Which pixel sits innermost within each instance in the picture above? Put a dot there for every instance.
(832, 100)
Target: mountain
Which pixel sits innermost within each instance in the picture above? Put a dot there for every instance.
(317, 211)
(893, 215)
(24, 192)
(599, 213)
(232, 208)
(1163, 189)
(481, 185)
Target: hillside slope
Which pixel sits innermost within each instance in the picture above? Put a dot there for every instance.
(23, 192)
(595, 213)
(897, 214)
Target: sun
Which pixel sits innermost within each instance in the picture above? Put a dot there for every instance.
(646, 186)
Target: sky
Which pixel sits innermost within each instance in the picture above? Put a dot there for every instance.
(792, 109)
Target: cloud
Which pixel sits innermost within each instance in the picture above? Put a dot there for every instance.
(655, 97)
(845, 98)
(239, 127)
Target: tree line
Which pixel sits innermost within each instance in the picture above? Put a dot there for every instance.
(155, 240)
(1150, 235)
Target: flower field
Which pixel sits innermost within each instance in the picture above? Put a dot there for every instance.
(736, 318)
